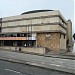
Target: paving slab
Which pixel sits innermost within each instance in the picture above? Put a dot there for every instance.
(65, 65)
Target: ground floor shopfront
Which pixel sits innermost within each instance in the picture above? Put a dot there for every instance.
(52, 41)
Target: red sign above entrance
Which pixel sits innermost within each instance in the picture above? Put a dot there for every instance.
(13, 38)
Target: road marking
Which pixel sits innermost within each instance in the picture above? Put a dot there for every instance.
(12, 71)
(54, 64)
(28, 62)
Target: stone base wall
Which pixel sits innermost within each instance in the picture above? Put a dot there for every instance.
(49, 40)
(39, 50)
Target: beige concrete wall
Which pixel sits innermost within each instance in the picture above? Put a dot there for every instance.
(61, 29)
(60, 20)
(52, 41)
(62, 42)
(16, 29)
(35, 28)
(45, 28)
(31, 15)
(69, 32)
(40, 50)
(31, 22)
(35, 50)
(5, 47)
(21, 22)
(47, 13)
(62, 16)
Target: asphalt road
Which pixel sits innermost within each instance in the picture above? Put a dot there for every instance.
(10, 68)
(66, 65)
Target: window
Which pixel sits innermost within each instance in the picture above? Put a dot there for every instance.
(14, 35)
(22, 35)
(29, 35)
(18, 35)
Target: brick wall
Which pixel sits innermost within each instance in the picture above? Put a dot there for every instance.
(49, 40)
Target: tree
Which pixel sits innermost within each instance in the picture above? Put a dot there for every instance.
(74, 36)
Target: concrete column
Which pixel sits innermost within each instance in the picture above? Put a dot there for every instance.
(36, 39)
(69, 32)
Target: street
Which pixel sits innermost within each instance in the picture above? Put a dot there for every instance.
(9, 68)
(65, 65)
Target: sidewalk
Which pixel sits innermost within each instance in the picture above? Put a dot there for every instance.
(65, 65)
(67, 55)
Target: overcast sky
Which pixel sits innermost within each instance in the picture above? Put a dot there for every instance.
(16, 7)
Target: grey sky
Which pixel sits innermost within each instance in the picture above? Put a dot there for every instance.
(16, 7)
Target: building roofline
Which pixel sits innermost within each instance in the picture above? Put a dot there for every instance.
(35, 11)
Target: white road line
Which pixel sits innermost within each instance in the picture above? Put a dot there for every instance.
(12, 71)
(55, 65)
(28, 62)
(34, 64)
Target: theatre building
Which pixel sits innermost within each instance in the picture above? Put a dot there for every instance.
(38, 31)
